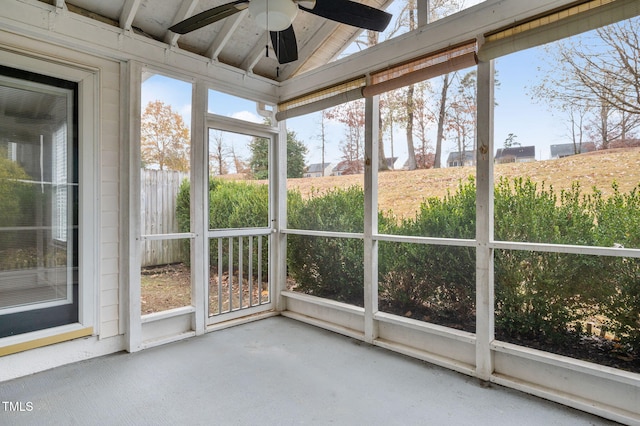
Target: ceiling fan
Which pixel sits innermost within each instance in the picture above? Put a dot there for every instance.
(276, 17)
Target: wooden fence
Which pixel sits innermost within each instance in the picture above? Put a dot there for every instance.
(158, 192)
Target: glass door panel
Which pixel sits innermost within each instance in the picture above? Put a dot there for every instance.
(38, 202)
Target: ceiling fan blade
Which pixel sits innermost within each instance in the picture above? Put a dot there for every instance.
(285, 45)
(209, 17)
(351, 13)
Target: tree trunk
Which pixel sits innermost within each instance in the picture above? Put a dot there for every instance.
(382, 161)
(411, 160)
(441, 118)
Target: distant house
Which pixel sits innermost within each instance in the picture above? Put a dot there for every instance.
(518, 154)
(391, 162)
(315, 170)
(346, 167)
(460, 159)
(567, 149)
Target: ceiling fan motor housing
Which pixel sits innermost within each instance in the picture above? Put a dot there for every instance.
(273, 15)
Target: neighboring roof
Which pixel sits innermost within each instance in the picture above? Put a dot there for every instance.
(348, 167)
(457, 156)
(517, 152)
(317, 167)
(566, 149)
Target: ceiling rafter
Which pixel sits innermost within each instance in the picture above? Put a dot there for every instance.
(129, 11)
(257, 52)
(226, 32)
(186, 10)
(61, 4)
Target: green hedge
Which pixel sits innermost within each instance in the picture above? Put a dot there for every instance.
(550, 297)
(324, 266)
(428, 282)
(539, 296)
(232, 204)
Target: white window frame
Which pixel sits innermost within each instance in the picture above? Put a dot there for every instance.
(88, 79)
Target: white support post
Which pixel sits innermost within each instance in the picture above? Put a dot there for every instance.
(278, 187)
(484, 222)
(370, 217)
(423, 12)
(199, 210)
(131, 223)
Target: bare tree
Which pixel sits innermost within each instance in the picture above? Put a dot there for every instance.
(239, 164)
(408, 18)
(462, 115)
(322, 136)
(411, 160)
(595, 79)
(389, 115)
(442, 116)
(218, 154)
(351, 114)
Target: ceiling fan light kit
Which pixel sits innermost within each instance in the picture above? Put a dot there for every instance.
(273, 15)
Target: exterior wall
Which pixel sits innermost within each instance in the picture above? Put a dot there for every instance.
(110, 195)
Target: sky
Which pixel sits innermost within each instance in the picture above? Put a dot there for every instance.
(515, 112)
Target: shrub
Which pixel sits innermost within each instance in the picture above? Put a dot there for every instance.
(324, 266)
(238, 204)
(542, 295)
(436, 283)
(618, 219)
(232, 204)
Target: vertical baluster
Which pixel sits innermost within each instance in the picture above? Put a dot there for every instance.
(230, 274)
(220, 275)
(240, 267)
(250, 271)
(259, 270)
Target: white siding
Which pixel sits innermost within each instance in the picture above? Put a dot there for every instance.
(109, 188)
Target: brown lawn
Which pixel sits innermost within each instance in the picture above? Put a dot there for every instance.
(402, 191)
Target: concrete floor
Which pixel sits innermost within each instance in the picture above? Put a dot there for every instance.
(275, 371)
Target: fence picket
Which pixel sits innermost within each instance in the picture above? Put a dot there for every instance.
(158, 196)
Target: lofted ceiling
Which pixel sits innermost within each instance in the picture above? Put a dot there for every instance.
(235, 41)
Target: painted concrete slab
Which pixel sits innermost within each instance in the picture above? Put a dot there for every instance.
(275, 371)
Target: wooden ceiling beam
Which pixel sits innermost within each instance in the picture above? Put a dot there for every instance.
(186, 10)
(257, 53)
(129, 11)
(224, 35)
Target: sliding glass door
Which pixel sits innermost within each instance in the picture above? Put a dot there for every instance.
(38, 202)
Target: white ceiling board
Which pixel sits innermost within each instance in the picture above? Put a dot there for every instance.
(154, 17)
